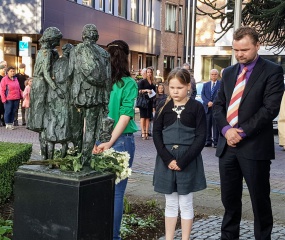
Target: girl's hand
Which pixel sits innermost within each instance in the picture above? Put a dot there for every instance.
(101, 148)
(173, 166)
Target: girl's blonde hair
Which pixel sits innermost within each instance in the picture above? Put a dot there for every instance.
(183, 77)
(26, 82)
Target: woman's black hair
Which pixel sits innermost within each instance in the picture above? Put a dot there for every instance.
(119, 51)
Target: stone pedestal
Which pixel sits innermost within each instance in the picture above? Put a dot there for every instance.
(53, 205)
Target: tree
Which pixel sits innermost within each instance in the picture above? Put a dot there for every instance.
(267, 17)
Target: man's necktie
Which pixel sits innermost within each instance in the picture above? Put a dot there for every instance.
(212, 91)
(232, 113)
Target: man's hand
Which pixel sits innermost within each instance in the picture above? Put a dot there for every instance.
(233, 137)
(210, 104)
(173, 166)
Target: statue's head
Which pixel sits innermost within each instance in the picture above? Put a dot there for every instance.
(90, 32)
(52, 36)
(66, 49)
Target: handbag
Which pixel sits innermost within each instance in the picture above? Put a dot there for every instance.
(142, 101)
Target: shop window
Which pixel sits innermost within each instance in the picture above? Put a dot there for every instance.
(217, 62)
(170, 17)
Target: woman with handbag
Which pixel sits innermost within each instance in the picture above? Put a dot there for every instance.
(26, 97)
(146, 87)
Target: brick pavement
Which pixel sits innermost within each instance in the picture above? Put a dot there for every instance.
(206, 202)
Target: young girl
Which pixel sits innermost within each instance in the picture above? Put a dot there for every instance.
(26, 97)
(121, 109)
(160, 96)
(179, 134)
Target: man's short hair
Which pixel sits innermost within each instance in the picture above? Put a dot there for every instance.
(243, 31)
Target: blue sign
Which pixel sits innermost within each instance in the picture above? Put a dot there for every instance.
(24, 49)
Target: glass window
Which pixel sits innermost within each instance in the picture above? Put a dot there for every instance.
(134, 10)
(122, 8)
(102, 5)
(217, 62)
(180, 20)
(179, 62)
(229, 10)
(143, 11)
(110, 6)
(89, 3)
(170, 17)
(148, 12)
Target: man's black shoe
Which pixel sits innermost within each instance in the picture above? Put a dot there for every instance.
(208, 145)
(23, 124)
(16, 123)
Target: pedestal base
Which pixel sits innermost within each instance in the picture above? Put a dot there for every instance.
(52, 205)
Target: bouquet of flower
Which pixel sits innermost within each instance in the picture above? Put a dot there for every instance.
(112, 161)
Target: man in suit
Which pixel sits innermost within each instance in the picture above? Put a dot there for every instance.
(246, 146)
(208, 94)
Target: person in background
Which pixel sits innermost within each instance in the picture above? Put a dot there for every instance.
(159, 97)
(281, 123)
(179, 134)
(10, 96)
(22, 77)
(208, 94)
(247, 102)
(221, 73)
(146, 86)
(121, 110)
(26, 97)
(2, 110)
(193, 90)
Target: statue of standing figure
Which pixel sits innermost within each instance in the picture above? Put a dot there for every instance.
(70, 95)
(42, 81)
(90, 70)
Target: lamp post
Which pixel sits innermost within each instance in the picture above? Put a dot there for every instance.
(237, 22)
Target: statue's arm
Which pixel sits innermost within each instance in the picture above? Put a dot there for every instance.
(47, 69)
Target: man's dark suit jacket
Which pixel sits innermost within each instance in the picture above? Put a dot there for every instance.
(206, 93)
(259, 105)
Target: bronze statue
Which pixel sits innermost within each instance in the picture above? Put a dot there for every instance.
(42, 79)
(57, 116)
(90, 70)
(70, 95)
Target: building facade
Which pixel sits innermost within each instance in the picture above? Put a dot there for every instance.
(154, 29)
(209, 55)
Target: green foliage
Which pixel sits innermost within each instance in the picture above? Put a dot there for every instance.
(12, 155)
(133, 219)
(6, 227)
(152, 203)
(127, 206)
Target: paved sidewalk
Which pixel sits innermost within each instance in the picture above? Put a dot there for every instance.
(206, 202)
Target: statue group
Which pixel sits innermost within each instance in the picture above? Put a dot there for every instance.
(70, 94)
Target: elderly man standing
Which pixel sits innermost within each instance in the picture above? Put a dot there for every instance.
(90, 71)
(208, 94)
(247, 102)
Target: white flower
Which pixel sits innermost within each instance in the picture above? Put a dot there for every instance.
(112, 161)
